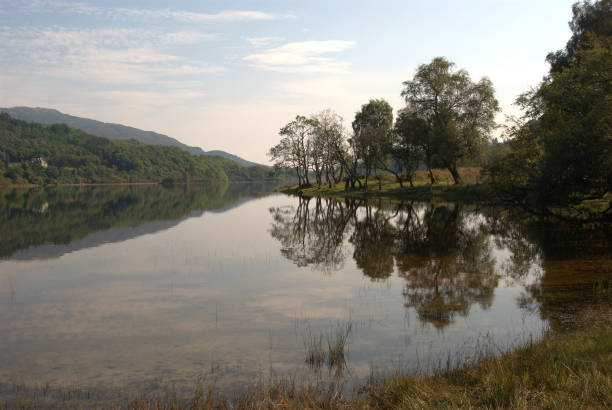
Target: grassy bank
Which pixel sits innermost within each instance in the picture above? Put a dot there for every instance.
(472, 189)
(561, 371)
(571, 370)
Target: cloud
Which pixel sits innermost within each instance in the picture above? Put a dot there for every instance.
(150, 98)
(118, 56)
(188, 16)
(45, 6)
(58, 36)
(187, 37)
(262, 41)
(303, 57)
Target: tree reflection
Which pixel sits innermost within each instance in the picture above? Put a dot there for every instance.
(446, 261)
(314, 236)
(573, 287)
(443, 255)
(372, 240)
(452, 256)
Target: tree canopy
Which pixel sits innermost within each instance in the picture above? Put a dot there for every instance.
(456, 114)
(372, 134)
(564, 141)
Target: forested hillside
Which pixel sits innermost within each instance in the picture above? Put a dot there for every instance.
(101, 129)
(109, 130)
(49, 154)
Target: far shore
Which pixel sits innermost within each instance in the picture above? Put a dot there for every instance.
(86, 184)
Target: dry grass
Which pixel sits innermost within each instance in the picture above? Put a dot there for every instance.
(561, 371)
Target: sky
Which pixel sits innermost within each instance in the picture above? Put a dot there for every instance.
(229, 74)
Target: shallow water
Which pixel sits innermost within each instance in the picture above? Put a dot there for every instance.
(141, 288)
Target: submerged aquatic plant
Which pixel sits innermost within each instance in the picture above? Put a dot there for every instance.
(337, 341)
(313, 347)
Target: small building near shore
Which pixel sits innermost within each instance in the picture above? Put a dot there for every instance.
(39, 161)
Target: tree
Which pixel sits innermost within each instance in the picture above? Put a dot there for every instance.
(576, 105)
(293, 150)
(458, 114)
(329, 145)
(350, 163)
(589, 20)
(514, 172)
(410, 142)
(567, 121)
(577, 121)
(373, 138)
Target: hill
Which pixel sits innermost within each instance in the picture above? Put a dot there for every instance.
(59, 154)
(111, 130)
(233, 157)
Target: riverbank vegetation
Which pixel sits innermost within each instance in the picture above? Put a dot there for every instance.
(557, 156)
(571, 370)
(57, 154)
(561, 371)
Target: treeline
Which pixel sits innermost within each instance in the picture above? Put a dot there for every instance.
(560, 150)
(58, 154)
(447, 119)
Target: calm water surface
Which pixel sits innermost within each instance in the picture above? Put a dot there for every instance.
(146, 287)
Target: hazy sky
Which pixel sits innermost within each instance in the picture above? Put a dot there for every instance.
(229, 74)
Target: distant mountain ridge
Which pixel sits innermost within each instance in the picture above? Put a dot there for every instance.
(111, 130)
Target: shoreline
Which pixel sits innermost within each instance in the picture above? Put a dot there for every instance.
(471, 193)
(89, 184)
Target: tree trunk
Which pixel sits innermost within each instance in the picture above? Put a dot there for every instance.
(431, 177)
(297, 171)
(455, 174)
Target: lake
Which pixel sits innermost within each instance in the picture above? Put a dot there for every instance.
(142, 288)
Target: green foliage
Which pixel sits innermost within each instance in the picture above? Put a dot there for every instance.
(411, 143)
(75, 157)
(516, 169)
(456, 115)
(577, 120)
(563, 147)
(589, 20)
(373, 137)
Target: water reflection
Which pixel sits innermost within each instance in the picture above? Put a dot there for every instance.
(450, 256)
(315, 236)
(441, 252)
(571, 263)
(186, 283)
(64, 216)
